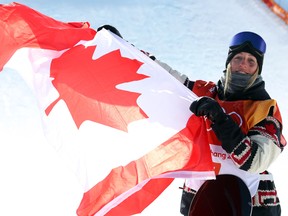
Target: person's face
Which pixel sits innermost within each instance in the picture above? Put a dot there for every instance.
(244, 63)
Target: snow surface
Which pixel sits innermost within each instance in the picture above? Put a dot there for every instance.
(191, 36)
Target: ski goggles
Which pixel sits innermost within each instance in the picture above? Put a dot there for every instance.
(248, 38)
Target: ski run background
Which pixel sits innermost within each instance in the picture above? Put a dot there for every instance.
(191, 36)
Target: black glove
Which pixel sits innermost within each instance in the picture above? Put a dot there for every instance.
(226, 130)
(206, 106)
(110, 28)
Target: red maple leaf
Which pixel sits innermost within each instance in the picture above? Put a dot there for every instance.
(88, 87)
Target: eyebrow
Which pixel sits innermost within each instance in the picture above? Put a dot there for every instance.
(249, 54)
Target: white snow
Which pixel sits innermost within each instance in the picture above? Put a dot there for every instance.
(191, 36)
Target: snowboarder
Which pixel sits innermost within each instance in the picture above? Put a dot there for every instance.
(251, 138)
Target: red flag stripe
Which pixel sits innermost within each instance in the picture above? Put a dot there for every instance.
(176, 156)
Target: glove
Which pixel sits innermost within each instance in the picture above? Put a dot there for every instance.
(111, 29)
(206, 106)
(226, 130)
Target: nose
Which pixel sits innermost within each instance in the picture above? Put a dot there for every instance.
(243, 63)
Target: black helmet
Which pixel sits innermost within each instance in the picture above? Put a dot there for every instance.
(247, 42)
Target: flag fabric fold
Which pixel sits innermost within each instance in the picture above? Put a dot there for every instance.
(120, 122)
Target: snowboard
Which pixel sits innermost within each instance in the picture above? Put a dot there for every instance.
(228, 195)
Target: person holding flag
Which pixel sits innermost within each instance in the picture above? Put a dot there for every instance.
(240, 124)
(245, 125)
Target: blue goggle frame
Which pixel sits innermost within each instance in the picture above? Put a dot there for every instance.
(255, 40)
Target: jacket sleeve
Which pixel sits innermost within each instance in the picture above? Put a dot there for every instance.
(255, 151)
(181, 77)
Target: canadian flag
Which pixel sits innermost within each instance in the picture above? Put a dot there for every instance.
(118, 120)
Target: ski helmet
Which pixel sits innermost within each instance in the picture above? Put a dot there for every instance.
(247, 42)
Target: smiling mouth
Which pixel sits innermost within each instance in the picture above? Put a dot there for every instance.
(241, 72)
